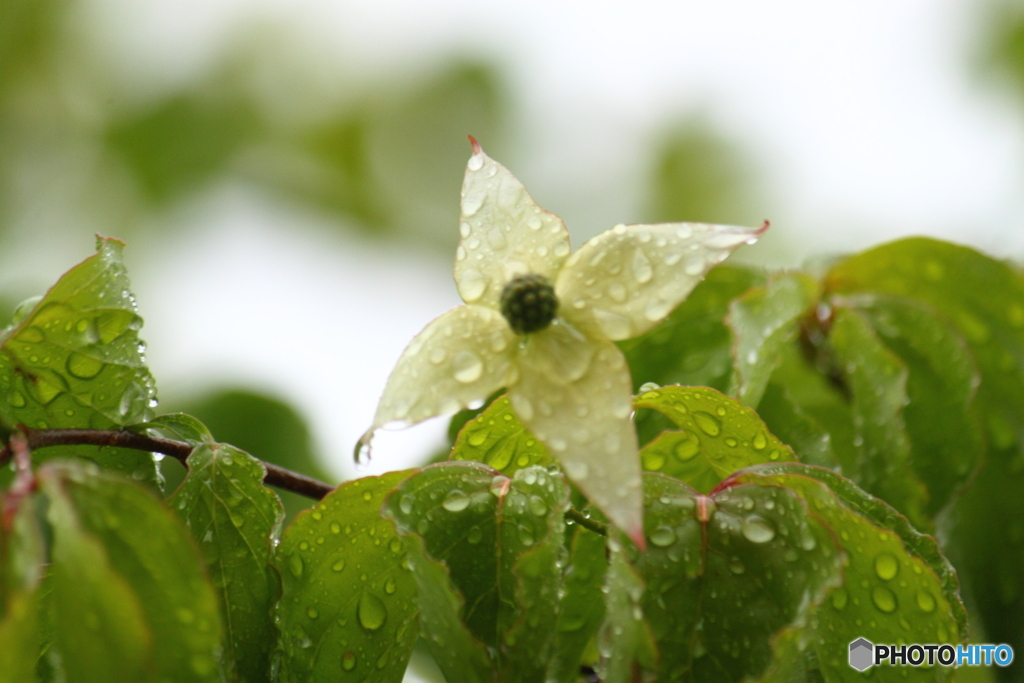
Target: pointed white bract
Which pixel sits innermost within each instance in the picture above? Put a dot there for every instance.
(568, 383)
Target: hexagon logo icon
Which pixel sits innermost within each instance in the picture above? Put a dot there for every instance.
(862, 654)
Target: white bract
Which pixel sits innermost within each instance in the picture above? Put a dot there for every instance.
(567, 382)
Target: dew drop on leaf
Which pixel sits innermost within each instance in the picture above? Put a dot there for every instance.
(839, 598)
(925, 601)
(709, 424)
(663, 537)
(886, 566)
(884, 599)
(348, 660)
(456, 501)
(757, 530)
(371, 612)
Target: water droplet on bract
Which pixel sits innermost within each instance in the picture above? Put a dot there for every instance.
(757, 530)
(708, 423)
(468, 367)
(925, 601)
(663, 537)
(884, 599)
(614, 325)
(456, 501)
(472, 285)
(533, 222)
(348, 660)
(472, 202)
(642, 270)
(657, 308)
(474, 535)
(371, 612)
(617, 292)
(561, 249)
(886, 566)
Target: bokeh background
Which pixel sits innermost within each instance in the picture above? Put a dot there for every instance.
(286, 172)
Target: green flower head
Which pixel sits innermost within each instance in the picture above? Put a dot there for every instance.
(541, 323)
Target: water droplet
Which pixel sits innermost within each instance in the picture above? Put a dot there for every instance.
(577, 470)
(311, 612)
(371, 612)
(437, 355)
(406, 504)
(657, 308)
(687, 446)
(338, 566)
(757, 530)
(390, 586)
(884, 599)
(663, 537)
(17, 400)
(614, 325)
(525, 536)
(474, 535)
(760, 441)
(886, 566)
(468, 367)
(561, 249)
(472, 202)
(839, 598)
(395, 545)
(731, 442)
(736, 567)
(335, 528)
(472, 285)
(478, 437)
(348, 660)
(538, 506)
(642, 270)
(925, 601)
(456, 501)
(83, 367)
(707, 422)
(295, 564)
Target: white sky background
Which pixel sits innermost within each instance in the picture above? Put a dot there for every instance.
(865, 118)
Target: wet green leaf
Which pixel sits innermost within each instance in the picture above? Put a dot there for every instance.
(691, 346)
(21, 570)
(270, 429)
(501, 542)
(235, 519)
(582, 608)
(762, 320)
(74, 359)
(982, 297)
(896, 586)
(625, 639)
(728, 572)
(811, 443)
(177, 427)
(946, 436)
(877, 379)
(131, 600)
(716, 436)
(497, 438)
(348, 609)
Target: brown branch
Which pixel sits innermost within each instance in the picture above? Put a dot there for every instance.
(44, 438)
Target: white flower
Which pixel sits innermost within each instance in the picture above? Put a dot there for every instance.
(542, 323)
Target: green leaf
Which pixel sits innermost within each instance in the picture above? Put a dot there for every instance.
(897, 587)
(811, 443)
(270, 429)
(501, 541)
(716, 436)
(762, 321)
(878, 383)
(75, 360)
(348, 608)
(982, 297)
(177, 427)
(625, 640)
(497, 438)
(728, 572)
(131, 600)
(185, 140)
(21, 570)
(946, 436)
(582, 608)
(691, 346)
(235, 520)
